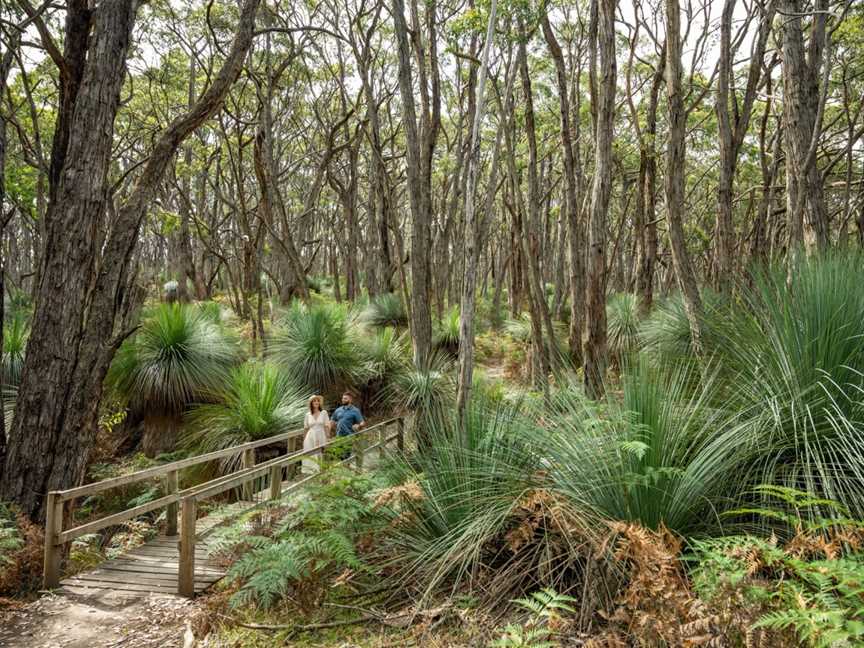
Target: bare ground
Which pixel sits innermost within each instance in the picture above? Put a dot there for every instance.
(108, 620)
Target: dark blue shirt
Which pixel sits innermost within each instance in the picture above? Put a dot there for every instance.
(346, 416)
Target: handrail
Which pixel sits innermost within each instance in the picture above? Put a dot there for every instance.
(55, 535)
(220, 485)
(162, 469)
(189, 502)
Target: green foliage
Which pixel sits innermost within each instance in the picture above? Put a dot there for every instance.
(10, 539)
(641, 457)
(458, 500)
(314, 345)
(258, 401)
(385, 310)
(427, 391)
(386, 358)
(177, 356)
(622, 315)
(665, 333)
(791, 365)
(446, 338)
(15, 333)
(545, 607)
(313, 542)
(788, 590)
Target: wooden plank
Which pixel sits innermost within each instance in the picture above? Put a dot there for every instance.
(122, 587)
(135, 578)
(161, 572)
(154, 561)
(151, 568)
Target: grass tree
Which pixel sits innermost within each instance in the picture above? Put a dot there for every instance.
(15, 332)
(258, 401)
(316, 347)
(385, 310)
(792, 359)
(178, 356)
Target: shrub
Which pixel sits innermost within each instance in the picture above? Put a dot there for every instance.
(472, 509)
(386, 310)
(386, 358)
(791, 362)
(178, 356)
(805, 590)
(257, 402)
(314, 345)
(642, 457)
(427, 391)
(21, 546)
(309, 547)
(622, 314)
(446, 337)
(15, 334)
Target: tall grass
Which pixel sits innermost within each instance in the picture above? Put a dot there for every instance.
(315, 346)
(178, 356)
(385, 310)
(15, 333)
(792, 358)
(258, 401)
(622, 315)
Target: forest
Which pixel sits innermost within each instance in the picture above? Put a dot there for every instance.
(487, 323)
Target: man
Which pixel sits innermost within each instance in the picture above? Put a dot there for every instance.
(347, 419)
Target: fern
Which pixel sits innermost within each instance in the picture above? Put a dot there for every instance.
(545, 607)
(314, 541)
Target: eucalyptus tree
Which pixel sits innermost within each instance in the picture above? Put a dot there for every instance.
(84, 292)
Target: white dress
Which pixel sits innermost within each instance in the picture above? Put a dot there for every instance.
(316, 436)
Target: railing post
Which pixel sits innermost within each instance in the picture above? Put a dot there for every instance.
(186, 568)
(295, 443)
(275, 482)
(400, 431)
(53, 527)
(248, 462)
(358, 451)
(382, 441)
(171, 487)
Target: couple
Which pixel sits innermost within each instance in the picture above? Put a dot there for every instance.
(346, 420)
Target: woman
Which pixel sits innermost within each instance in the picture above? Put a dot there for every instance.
(316, 425)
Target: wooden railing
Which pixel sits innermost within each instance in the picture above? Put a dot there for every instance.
(186, 501)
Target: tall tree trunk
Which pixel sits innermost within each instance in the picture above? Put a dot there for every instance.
(571, 194)
(531, 246)
(74, 332)
(675, 175)
(732, 128)
(803, 108)
(595, 349)
(472, 232)
(420, 143)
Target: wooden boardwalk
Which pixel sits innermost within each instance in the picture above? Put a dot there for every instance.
(180, 562)
(154, 566)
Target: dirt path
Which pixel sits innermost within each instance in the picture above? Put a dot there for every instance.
(110, 620)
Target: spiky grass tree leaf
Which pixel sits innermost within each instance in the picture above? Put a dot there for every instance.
(315, 345)
(177, 356)
(791, 359)
(385, 310)
(640, 457)
(446, 336)
(258, 401)
(15, 333)
(622, 315)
